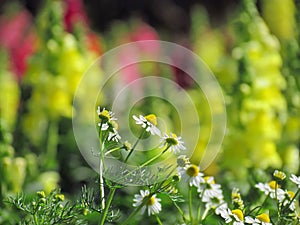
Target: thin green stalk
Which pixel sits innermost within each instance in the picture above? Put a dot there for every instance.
(158, 220)
(205, 214)
(135, 211)
(52, 141)
(108, 203)
(191, 204)
(180, 211)
(101, 168)
(276, 199)
(199, 213)
(134, 146)
(155, 157)
(112, 150)
(35, 219)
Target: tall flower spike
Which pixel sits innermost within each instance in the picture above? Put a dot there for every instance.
(148, 122)
(175, 143)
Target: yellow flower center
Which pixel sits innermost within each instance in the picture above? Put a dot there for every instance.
(152, 119)
(151, 201)
(192, 171)
(238, 213)
(273, 184)
(104, 116)
(264, 217)
(291, 194)
(172, 140)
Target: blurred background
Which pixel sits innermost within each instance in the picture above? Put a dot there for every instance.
(46, 46)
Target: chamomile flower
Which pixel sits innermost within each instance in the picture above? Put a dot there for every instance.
(105, 115)
(295, 180)
(236, 199)
(191, 174)
(236, 216)
(175, 143)
(148, 122)
(270, 189)
(263, 219)
(279, 175)
(208, 188)
(210, 193)
(152, 204)
(112, 128)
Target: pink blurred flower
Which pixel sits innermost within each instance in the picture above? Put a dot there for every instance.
(18, 38)
(74, 13)
(145, 32)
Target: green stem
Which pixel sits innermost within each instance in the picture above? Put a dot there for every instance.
(112, 150)
(51, 148)
(155, 157)
(158, 220)
(134, 146)
(180, 211)
(35, 219)
(199, 213)
(276, 199)
(135, 211)
(108, 203)
(205, 214)
(191, 204)
(101, 168)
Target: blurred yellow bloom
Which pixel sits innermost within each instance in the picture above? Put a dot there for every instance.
(282, 26)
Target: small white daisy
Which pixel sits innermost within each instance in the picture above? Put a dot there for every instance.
(152, 205)
(235, 216)
(295, 180)
(263, 219)
(112, 128)
(191, 173)
(270, 189)
(222, 210)
(176, 145)
(148, 122)
(105, 115)
(209, 188)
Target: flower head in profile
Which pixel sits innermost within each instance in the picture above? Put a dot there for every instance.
(263, 219)
(279, 175)
(295, 180)
(105, 115)
(151, 202)
(235, 216)
(270, 189)
(175, 143)
(108, 123)
(191, 174)
(148, 122)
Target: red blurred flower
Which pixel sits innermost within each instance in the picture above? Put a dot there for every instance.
(74, 13)
(18, 38)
